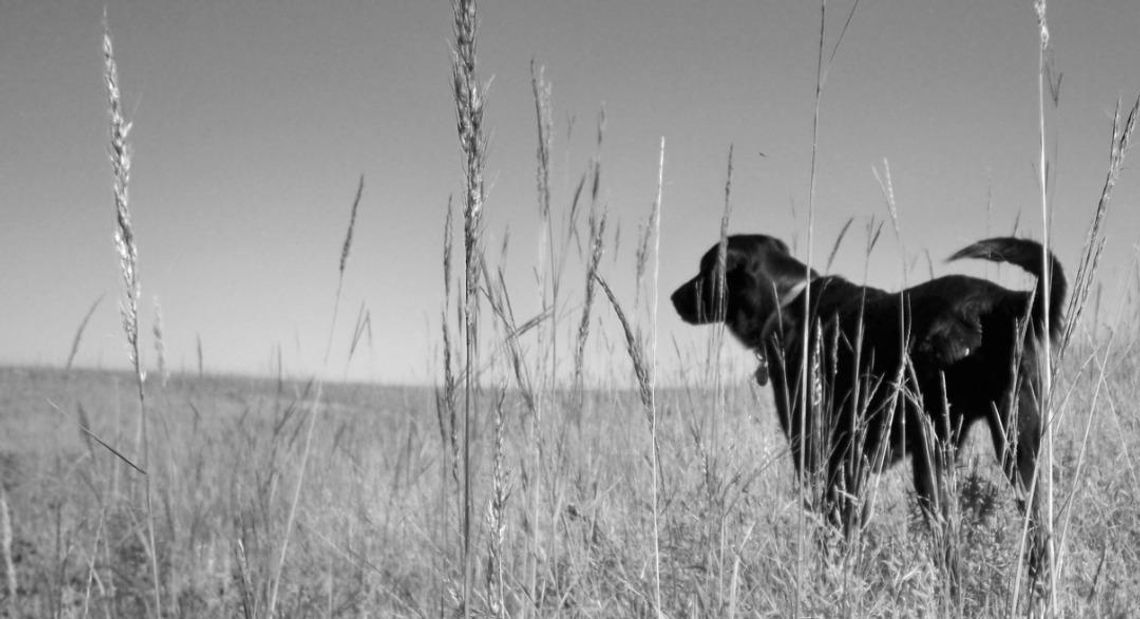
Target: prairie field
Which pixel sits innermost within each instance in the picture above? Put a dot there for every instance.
(376, 531)
(565, 459)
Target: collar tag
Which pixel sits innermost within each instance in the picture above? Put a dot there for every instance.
(761, 373)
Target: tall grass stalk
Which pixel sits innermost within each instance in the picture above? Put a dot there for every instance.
(806, 331)
(447, 410)
(887, 187)
(6, 551)
(1121, 143)
(314, 411)
(645, 369)
(1100, 382)
(643, 372)
(596, 224)
(822, 70)
(346, 248)
(445, 398)
(119, 153)
(79, 332)
(275, 585)
(720, 308)
(1122, 129)
(837, 244)
(499, 300)
(160, 344)
(500, 493)
(468, 94)
(198, 350)
(1046, 285)
(361, 328)
(712, 455)
(596, 244)
(653, 368)
(93, 554)
(548, 284)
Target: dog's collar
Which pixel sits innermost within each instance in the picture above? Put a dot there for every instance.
(761, 358)
(792, 293)
(790, 296)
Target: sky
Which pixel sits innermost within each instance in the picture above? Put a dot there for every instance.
(252, 122)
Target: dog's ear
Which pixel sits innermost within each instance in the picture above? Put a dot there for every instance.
(737, 260)
(733, 257)
(782, 246)
(734, 260)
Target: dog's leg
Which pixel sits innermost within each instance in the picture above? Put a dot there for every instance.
(845, 468)
(846, 488)
(928, 457)
(925, 482)
(1016, 433)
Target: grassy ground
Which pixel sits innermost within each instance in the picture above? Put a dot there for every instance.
(214, 496)
(376, 531)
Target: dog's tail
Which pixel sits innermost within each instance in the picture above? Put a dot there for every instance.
(1027, 255)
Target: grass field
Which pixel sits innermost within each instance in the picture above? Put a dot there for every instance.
(534, 480)
(376, 530)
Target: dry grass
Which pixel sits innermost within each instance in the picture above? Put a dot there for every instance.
(591, 491)
(6, 551)
(79, 331)
(1039, 7)
(345, 252)
(369, 513)
(468, 94)
(120, 156)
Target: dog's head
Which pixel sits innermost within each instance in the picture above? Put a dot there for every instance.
(758, 272)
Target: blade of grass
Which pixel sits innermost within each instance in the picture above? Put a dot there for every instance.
(468, 95)
(79, 332)
(344, 253)
(119, 153)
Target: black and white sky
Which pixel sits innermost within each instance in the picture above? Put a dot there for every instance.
(252, 121)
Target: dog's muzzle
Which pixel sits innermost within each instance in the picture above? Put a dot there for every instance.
(687, 303)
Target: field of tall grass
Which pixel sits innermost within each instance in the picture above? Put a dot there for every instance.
(554, 469)
(377, 531)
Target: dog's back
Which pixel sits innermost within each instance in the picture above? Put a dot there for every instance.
(961, 337)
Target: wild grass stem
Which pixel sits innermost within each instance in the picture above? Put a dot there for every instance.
(119, 153)
(346, 248)
(643, 373)
(75, 341)
(6, 537)
(653, 373)
(1046, 398)
(548, 285)
(314, 412)
(468, 95)
(806, 330)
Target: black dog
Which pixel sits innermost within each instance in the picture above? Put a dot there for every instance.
(888, 374)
